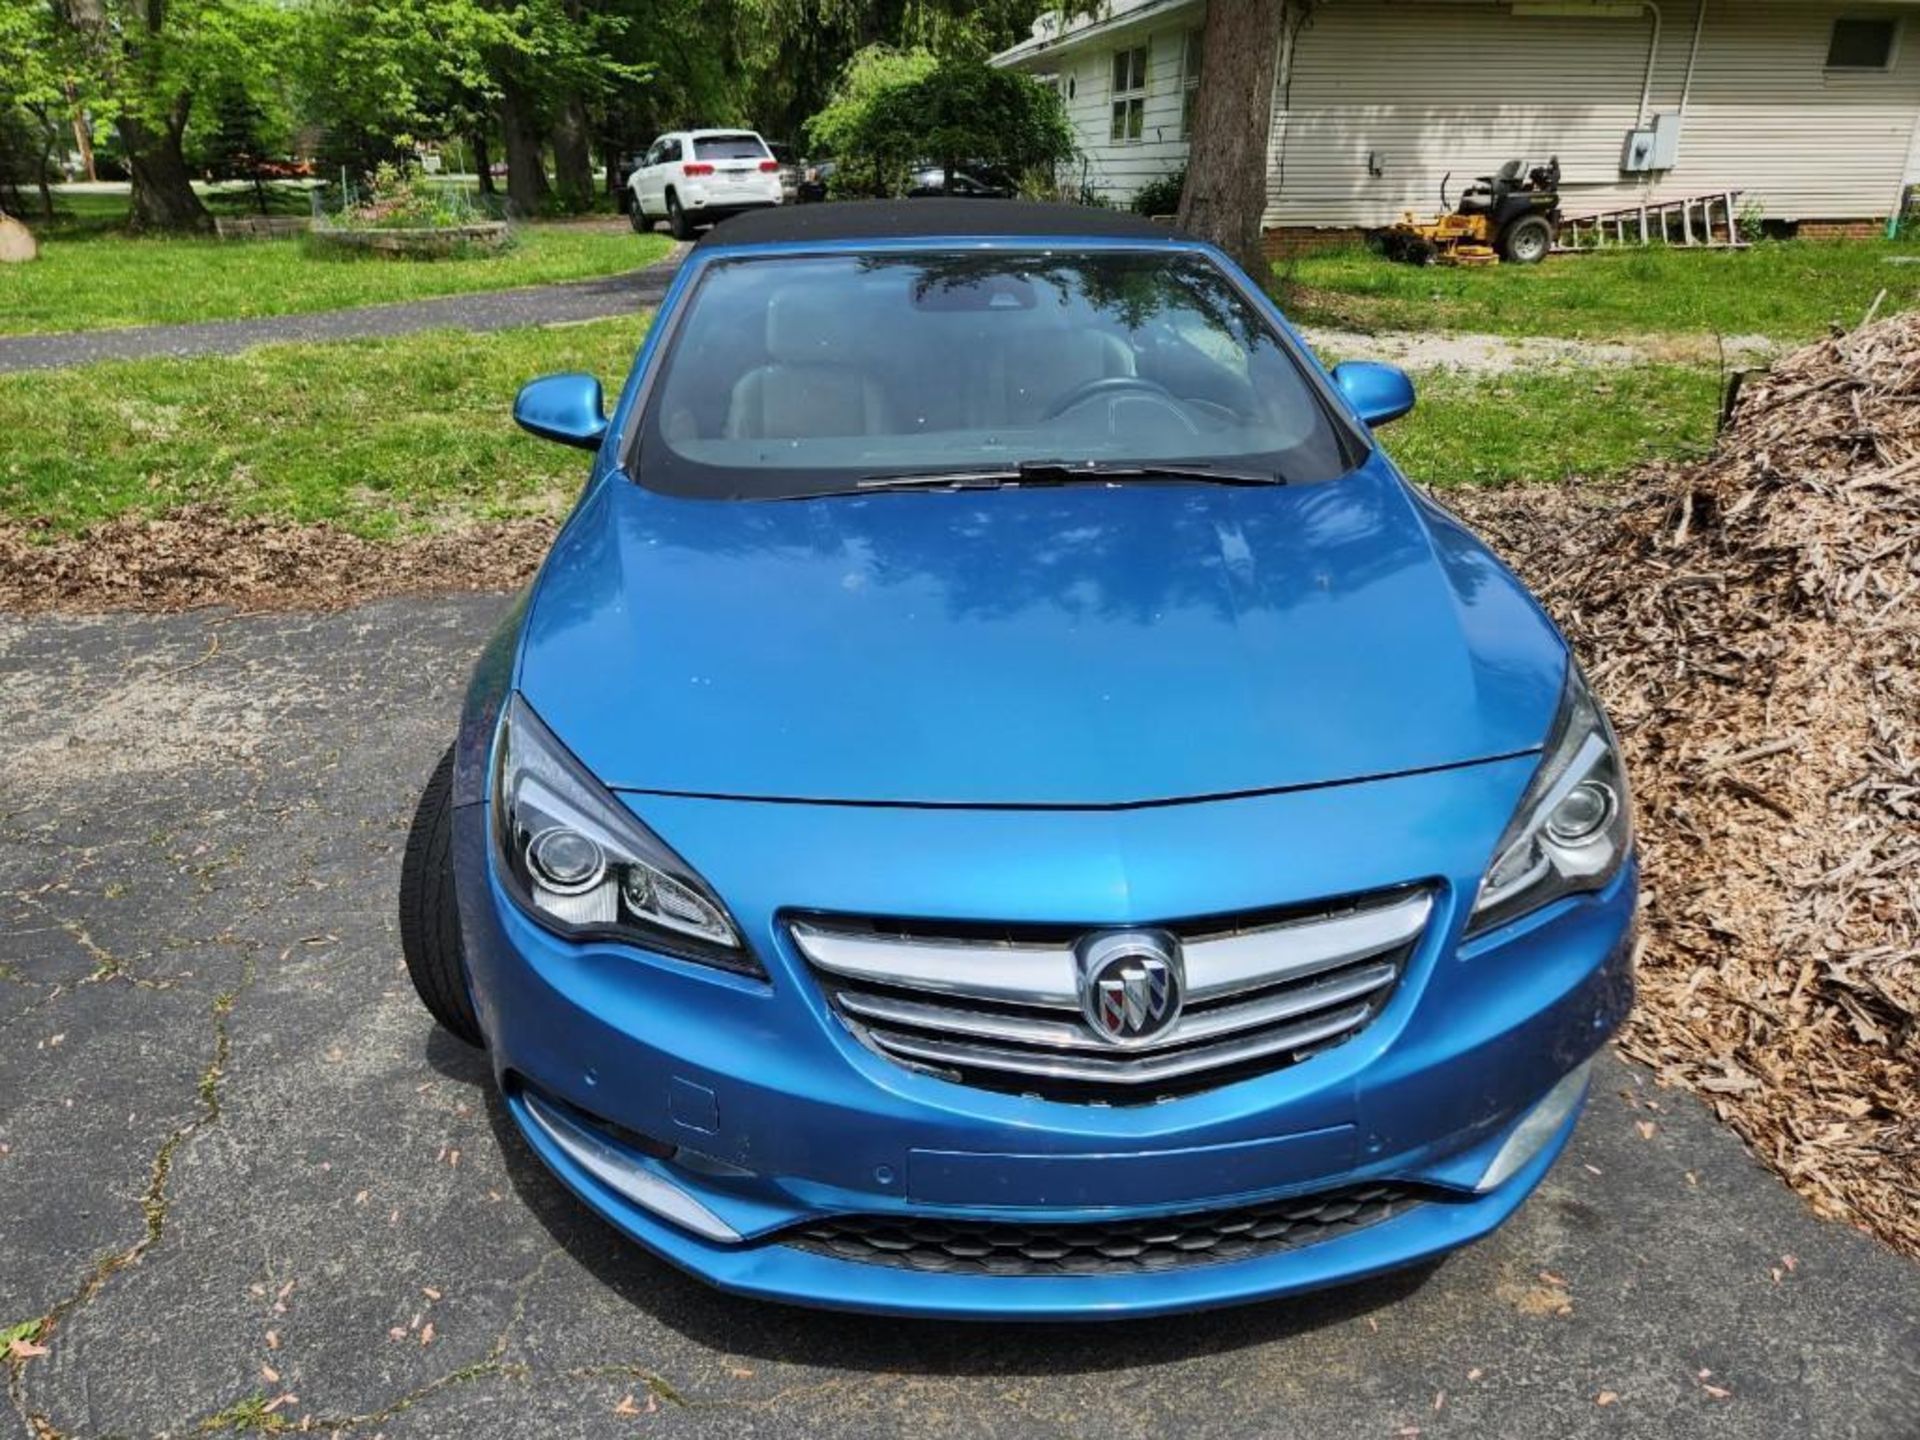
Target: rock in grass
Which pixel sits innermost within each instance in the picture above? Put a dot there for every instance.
(17, 244)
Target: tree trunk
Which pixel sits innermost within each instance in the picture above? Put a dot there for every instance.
(48, 132)
(1226, 190)
(572, 155)
(527, 189)
(81, 137)
(40, 176)
(482, 162)
(610, 158)
(163, 197)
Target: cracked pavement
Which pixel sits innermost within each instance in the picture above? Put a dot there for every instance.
(245, 1185)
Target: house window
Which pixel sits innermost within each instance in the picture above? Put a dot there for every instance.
(1129, 94)
(1189, 80)
(1862, 44)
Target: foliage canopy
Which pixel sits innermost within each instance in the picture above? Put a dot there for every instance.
(896, 110)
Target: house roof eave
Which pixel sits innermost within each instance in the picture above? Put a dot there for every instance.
(1100, 27)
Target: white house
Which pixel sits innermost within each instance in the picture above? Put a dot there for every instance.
(1811, 108)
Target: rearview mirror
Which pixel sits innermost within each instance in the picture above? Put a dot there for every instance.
(1379, 392)
(567, 408)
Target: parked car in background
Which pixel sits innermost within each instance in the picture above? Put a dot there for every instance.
(1004, 802)
(629, 161)
(967, 184)
(814, 182)
(789, 171)
(691, 178)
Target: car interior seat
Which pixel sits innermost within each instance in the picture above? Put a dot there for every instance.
(1035, 366)
(812, 384)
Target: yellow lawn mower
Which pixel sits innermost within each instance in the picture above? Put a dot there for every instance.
(1513, 216)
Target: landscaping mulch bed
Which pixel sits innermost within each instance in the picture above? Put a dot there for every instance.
(201, 556)
(1754, 624)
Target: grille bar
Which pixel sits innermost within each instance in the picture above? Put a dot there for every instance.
(1125, 1071)
(1003, 1010)
(1192, 1027)
(1105, 1247)
(1218, 962)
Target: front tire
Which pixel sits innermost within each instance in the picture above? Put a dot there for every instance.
(429, 917)
(1527, 240)
(677, 218)
(637, 218)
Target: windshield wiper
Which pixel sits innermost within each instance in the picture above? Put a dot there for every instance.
(1062, 472)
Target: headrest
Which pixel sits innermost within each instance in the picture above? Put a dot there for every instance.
(813, 327)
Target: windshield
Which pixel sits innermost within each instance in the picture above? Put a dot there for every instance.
(801, 376)
(729, 147)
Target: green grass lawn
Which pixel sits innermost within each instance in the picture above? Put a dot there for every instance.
(1594, 422)
(88, 278)
(1786, 290)
(388, 437)
(382, 436)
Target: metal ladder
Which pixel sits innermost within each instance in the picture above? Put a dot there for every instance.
(1702, 222)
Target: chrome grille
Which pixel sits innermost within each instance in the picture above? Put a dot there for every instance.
(1104, 1247)
(1003, 1010)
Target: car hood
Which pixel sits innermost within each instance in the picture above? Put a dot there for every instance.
(1073, 646)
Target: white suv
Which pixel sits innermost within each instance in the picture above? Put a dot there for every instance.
(695, 177)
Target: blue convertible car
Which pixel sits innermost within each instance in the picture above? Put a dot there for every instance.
(1002, 802)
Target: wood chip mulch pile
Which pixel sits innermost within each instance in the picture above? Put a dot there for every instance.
(201, 556)
(1753, 623)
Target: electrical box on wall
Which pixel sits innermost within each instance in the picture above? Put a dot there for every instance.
(1653, 147)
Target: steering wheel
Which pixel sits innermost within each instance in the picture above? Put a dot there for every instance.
(1114, 387)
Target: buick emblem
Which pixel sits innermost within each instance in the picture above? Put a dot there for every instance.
(1131, 985)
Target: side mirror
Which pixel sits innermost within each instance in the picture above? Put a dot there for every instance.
(567, 408)
(1379, 392)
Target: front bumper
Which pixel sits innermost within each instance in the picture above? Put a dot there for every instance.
(780, 1118)
(775, 1271)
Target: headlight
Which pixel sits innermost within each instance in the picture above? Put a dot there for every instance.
(580, 863)
(1573, 827)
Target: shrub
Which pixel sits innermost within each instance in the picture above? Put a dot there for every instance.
(894, 110)
(1162, 196)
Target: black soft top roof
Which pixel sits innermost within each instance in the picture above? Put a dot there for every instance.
(906, 219)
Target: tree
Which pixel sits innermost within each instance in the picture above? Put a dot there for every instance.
(844, 128)
(1225, 193)
(235, 143)
(33, 95)
(375, 74)
(1226, 190)
(895, 111)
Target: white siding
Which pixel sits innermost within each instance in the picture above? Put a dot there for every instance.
(1425, 87)
(1117, 170)
(1768, 116)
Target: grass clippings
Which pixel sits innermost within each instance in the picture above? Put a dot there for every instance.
(1753, 622)
(200, 555)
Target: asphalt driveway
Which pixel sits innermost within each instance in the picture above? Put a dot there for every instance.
(565, 302)
(253, 1186)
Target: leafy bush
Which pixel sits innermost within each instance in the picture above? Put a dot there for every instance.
(1162, 196)
(894, 110)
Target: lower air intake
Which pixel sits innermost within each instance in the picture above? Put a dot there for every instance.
(1106, 1247)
